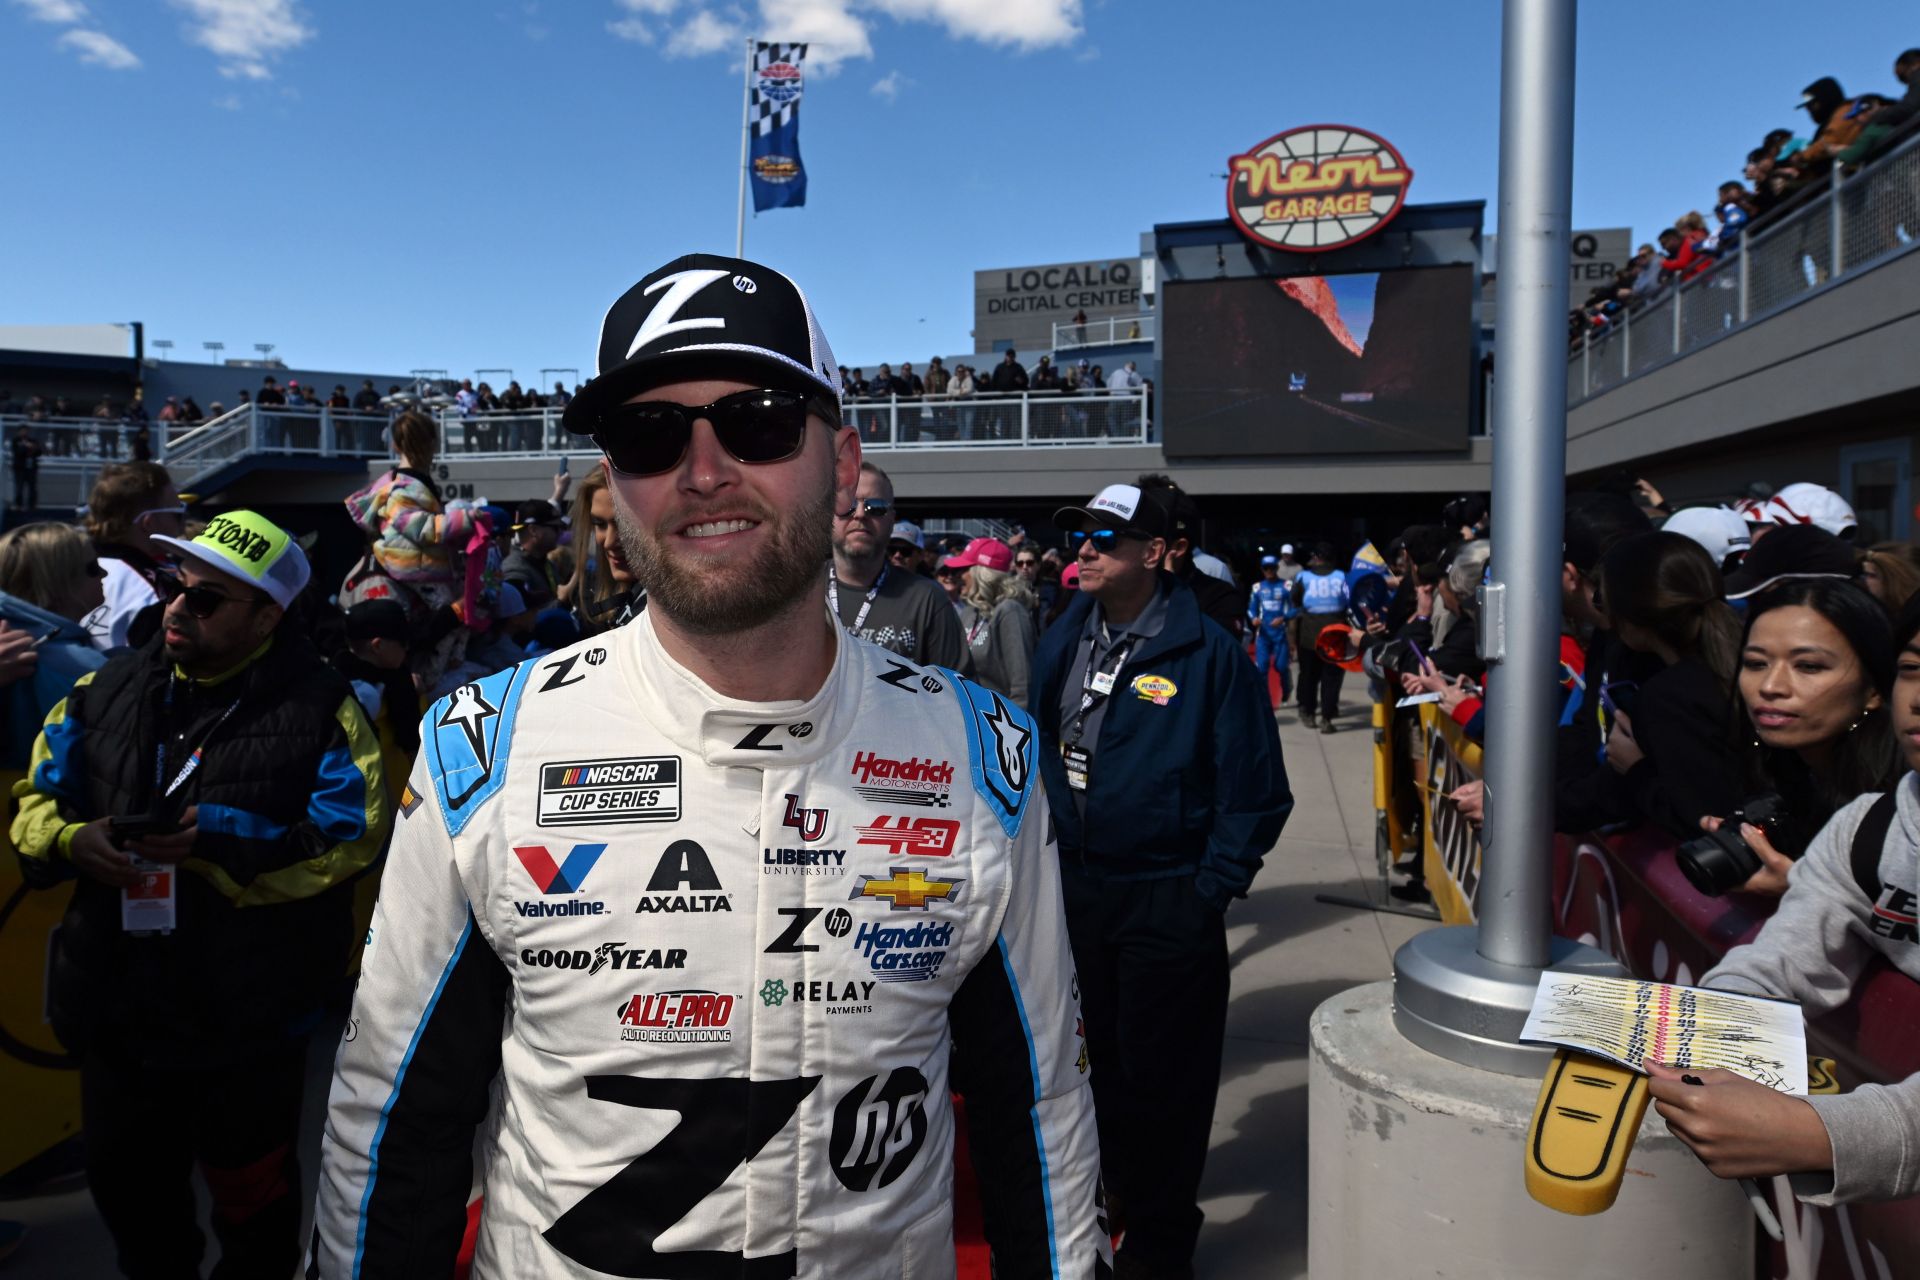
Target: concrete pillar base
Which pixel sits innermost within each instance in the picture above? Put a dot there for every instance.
(1414, 1165)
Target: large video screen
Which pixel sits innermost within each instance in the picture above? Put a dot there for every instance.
(1372, 362)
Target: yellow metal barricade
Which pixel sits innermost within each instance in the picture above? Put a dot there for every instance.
(1450, 851)
(40, 1083)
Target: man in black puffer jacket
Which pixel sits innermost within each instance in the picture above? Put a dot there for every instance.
(212, 793)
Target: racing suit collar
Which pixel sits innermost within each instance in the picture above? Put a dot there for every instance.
(724, 731)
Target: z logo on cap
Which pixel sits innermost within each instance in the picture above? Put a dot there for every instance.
(680, 287)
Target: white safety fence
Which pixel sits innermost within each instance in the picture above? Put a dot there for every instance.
(72, 450)
(1111, 332)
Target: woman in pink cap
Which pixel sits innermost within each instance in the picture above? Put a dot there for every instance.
(997, 615)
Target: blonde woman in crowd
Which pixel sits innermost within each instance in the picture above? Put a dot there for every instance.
(50, 578)
(997, 616)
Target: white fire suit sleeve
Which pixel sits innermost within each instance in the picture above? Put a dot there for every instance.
(412, 1079)
(1019, 1060)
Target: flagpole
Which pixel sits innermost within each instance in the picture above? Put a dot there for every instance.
(746, 104)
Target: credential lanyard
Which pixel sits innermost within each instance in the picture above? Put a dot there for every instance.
(193, 757)
(1096, 689)
(833, 598)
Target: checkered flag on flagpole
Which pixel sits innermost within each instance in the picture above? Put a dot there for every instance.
(769, 111)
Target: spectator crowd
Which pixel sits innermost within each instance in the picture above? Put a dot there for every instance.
(1842, 133)
(214, 743)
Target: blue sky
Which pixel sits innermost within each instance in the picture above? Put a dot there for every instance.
(1354, 296)
(427, 184)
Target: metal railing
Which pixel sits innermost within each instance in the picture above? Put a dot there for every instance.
(74, 450)
(1031, 418)
(1858, 222)
(1028, 418)
(1110, 332)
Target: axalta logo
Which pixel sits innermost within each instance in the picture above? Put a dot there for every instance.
(684, 880)
(904, 953)
(1317, 188)
(916, 781)
(677, 1017)
(903, 836)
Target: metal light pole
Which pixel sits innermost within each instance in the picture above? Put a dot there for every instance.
(1464, 992)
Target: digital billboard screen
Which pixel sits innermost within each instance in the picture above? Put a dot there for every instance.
(1369, 362)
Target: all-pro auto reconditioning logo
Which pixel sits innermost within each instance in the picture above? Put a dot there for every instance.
(1317, 188)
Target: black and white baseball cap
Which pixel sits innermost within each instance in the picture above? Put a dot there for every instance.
(706, 316)
(1120, 507)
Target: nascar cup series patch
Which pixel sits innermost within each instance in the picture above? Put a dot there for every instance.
(1155, 689)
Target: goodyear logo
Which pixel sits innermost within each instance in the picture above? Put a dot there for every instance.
(1317, 188)
(1155, 689)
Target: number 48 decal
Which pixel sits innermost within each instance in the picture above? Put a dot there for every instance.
(723, 1124)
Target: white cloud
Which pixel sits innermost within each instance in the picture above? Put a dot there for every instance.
(838, 31)
(98, 49)
(63, 12)
(889, 86)
(229, 103)
(1030, 24)
(638, 26)
(245, 35)
(708, 32)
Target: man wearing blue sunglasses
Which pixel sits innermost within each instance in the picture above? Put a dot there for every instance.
(1164, 776)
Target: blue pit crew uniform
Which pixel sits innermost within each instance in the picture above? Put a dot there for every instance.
(1270, 608)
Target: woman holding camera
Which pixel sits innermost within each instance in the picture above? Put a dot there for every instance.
(1857, 1145)
(1669, 742)
(1816, 668)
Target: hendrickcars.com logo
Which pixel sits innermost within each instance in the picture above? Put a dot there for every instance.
(1317, 188)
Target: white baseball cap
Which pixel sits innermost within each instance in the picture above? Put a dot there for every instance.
(1720, 530)
(1286, 548)
(1806, 504)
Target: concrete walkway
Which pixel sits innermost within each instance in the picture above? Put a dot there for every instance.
(1289, 953)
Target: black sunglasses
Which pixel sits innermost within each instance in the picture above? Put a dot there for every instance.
(651, 436)
(202, 601)
(1106, 540)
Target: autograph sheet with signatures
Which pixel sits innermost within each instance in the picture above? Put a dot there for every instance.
(1629, 1021)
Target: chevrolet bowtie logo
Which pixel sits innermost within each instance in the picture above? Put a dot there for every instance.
(907, 889)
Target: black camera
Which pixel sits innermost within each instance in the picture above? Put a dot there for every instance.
(1721, 861)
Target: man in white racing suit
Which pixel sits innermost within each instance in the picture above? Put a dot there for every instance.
(690, 915)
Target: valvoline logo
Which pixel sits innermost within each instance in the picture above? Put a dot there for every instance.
(568, 876)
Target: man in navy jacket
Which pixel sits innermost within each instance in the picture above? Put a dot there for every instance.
(1164, 775)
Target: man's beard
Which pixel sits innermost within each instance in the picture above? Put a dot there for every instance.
(718, 601)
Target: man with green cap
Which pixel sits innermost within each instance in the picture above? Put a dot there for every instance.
(211, 795)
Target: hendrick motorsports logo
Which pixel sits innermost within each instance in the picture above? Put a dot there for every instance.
(1317, 188)
(576, 793)
(918, 780)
